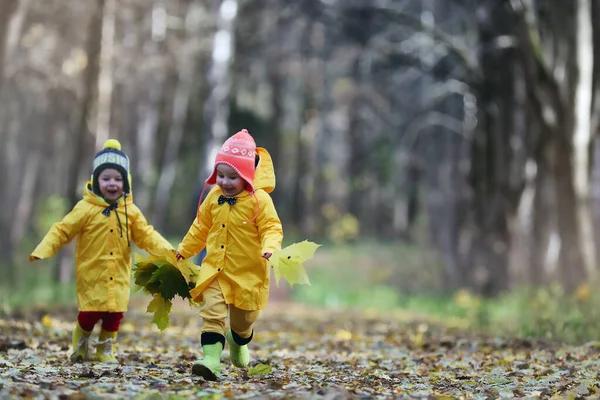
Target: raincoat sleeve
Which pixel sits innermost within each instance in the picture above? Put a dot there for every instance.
(146, 237)
(269, 225)
(61, 233)
(195, 240)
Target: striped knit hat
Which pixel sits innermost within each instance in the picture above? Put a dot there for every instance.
(111, 156)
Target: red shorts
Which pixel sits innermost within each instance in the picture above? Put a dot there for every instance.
(110, 320)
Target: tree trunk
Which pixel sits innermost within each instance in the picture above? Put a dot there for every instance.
(8, 8)
(81, 133)
(583, 134)
(301, 164)
(90, 78)
(105, 81)
(148, 102)
(572, 267)
(545, 246)
(26, 197)
(276, 82)
(495, 196)
(595, 128)
(216, 110)
(187, 62)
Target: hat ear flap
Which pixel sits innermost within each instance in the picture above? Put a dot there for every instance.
(129, 180)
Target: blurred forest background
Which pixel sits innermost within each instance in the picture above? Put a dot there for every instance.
(434, 146)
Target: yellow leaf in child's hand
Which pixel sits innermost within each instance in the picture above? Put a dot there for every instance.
(188, 269)
(288, 263)
(291, 271)
(138, 258)
(161, 309)
(169, 255)
(259, 369)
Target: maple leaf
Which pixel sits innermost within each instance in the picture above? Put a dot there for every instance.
(142, 271)
(288, 262)
(163, 277)
(158, 274)
(171, 281)
(161, 309)
(188, 269)
(260, 369)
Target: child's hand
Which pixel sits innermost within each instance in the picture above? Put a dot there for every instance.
(179, 256)
(267, 255)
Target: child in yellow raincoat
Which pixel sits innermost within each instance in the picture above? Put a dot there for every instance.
(239, 226)
(105, 223)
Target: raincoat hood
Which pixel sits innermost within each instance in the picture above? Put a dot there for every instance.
(264, 177)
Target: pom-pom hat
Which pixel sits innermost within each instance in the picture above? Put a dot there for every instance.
(238, 152)
(111, 156)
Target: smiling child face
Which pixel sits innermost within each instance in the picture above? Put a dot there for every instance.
(110, 182)
(229, 181)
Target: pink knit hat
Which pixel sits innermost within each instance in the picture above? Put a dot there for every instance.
(239, 153)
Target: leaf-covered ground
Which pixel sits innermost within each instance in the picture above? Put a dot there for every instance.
(311, 353)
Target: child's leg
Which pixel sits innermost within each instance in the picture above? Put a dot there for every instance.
(213, 310)
(88, 319)
(214, 314)
(111, 321)
(242, 322)
(81, 335)
(107, 341)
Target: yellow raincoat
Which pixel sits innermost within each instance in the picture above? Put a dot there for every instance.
(233, 248)
(103, 256)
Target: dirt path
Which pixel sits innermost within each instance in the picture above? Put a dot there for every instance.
(311, 353)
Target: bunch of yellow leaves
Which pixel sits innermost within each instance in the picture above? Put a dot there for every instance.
(164, 277)
(288, 262)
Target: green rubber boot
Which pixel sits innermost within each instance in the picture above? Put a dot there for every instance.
(81, 340)
(107, 347)
(239, 354)
(210, 366)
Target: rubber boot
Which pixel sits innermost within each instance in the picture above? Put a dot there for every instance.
(81, 340)
(107, 347)
(210, 366)
(238, 353)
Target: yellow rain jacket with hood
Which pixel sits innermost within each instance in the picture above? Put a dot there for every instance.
(235, 242)
(103, 251)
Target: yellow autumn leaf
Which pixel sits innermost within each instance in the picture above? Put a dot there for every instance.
(583, 292)
(169, 255)
(47, 321)
(127, 327)
(463, 298)
(138, 258)
(161, 309)
(260, 369)
(188, 269)
(418, 339)
(288, 262)
(343, 334)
